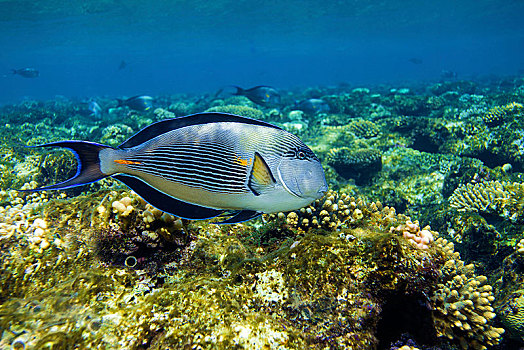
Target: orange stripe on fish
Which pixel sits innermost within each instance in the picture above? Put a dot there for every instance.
(244, 162)
(126, 162)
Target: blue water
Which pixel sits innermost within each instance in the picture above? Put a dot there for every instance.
(200, 46)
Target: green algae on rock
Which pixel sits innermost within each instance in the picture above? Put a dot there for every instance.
(324, 289)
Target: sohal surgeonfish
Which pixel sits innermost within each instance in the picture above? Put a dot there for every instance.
(262, 95)
(313, 106)
(26, 72)
(206, 165)
(138, 103)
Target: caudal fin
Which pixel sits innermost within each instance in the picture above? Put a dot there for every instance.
(239, 92)
(88, 167)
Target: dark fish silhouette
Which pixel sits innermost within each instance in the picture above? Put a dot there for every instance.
(122, 65)
(313, 106)
(415, 60)
(206, 165)
(448, 74)
(138, 103)
(261, 95)
(26, 72)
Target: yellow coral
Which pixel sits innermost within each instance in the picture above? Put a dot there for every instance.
(462, 303)
(332, 211)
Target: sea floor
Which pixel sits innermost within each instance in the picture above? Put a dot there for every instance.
(418, 244)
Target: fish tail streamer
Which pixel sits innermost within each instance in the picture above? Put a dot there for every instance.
(88, 163)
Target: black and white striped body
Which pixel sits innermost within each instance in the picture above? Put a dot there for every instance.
(210, 164)
(205, 165)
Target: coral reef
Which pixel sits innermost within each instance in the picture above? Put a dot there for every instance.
(492, 197)
(360, 268)
(317, 290)
(245, 111)
(359, 164)
(463, 304)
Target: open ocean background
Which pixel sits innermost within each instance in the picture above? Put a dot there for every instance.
(196, 46)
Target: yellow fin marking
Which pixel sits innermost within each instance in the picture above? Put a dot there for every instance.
(260, 172)
(126, 162)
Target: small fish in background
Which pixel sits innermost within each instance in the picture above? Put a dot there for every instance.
(26, 72)
(261, 95)
(122, 65)
(416, 60)
(206, 165)
(448, 74)
(313, 106)
(95, 109)
(140, 103)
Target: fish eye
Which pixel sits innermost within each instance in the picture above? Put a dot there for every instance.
(301, 155)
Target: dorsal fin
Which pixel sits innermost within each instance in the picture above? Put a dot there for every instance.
(164, 126)
(258, 87)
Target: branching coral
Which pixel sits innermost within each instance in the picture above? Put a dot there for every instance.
(492, 197)
(334, 211)
(497, 115)
(462, 303)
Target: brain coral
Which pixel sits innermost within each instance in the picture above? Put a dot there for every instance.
(244, 111)
(358, 164)
(512, 313)
(364, 128)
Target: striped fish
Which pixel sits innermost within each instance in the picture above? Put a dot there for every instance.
(206, 165)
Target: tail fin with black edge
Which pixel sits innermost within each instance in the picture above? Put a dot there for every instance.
(87, 169)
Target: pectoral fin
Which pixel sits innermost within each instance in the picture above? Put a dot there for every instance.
(260, 179)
